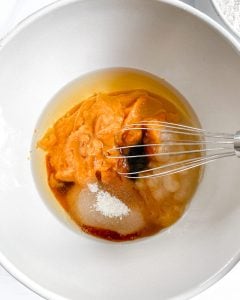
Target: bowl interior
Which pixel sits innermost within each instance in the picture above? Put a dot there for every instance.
(80, 37)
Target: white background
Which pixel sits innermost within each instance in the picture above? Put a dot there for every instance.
(228, 288)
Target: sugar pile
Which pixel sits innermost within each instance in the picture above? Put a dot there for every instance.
(108, 205)
(231, 11)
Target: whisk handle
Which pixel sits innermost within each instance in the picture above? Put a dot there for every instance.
(237, 143)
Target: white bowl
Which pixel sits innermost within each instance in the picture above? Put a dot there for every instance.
(64, 41)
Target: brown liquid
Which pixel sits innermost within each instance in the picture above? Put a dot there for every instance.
(139, 195)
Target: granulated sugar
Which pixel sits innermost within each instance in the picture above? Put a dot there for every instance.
(108, 205)
(231, 11)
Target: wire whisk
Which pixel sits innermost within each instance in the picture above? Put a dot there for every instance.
(169, 148)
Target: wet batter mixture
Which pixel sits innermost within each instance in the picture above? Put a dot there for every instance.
(87, 183)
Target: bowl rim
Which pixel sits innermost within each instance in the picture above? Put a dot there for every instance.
(177, 3)
(225, 20)
(229, 38)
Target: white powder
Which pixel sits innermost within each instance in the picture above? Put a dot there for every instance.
(108, 205)
(231, 11)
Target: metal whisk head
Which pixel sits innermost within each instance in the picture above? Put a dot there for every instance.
(178, 149)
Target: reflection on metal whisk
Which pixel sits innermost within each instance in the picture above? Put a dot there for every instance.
(179, 149)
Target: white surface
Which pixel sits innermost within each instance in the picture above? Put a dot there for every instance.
(227, 288)
(6, 8)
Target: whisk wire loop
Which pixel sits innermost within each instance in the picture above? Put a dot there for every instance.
(180, 140)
